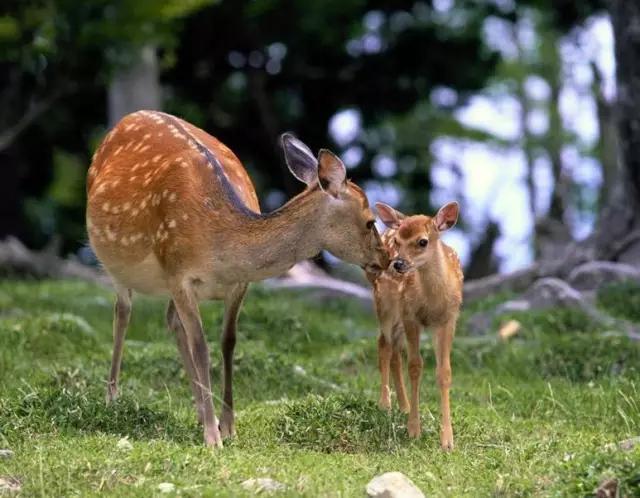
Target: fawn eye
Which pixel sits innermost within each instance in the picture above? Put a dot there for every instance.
(370, 224)
(423, 242)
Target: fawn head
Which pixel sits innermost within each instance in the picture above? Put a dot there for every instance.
(416, 236)
(345, 223)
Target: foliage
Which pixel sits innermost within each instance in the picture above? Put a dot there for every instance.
(532, 416)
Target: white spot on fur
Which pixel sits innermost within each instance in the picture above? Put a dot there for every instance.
(156, 158)
(171, 224)
(105, 207)
(118, 150)
(185, 216)
(172, 197)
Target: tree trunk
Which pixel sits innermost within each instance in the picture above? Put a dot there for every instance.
(619, 220)
(136, 87)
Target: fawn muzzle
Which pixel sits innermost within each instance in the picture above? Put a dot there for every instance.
(401, 266)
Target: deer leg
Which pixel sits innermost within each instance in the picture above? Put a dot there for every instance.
(384, 357)
(412, 331)
(121, 315)
(175, 326)
(232, 305)
(398, 376)
(443, 339)
(187, 307)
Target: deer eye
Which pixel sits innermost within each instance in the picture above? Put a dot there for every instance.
(370, 224)
(423, 242)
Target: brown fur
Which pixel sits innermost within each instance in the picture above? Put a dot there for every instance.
(172, 211)
(429, 295)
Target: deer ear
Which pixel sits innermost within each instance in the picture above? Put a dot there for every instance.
(388, 215)
(447, 216)
(299, 158)
(331, 173)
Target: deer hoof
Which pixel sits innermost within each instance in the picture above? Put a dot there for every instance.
(112, 393)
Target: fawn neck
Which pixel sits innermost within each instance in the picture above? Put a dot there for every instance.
(434, 274)
(267, 245)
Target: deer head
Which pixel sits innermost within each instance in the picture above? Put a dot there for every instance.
(344, 222)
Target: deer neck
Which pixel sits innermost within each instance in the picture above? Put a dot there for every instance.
(268, 245)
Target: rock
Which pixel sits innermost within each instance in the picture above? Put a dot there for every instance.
(263, 485)
(594, 274)
(607, 489)
(6, 453)
(552, 292)
(9, 484)
(166, 487)
(393, 485)
(626, 445)
(124, 444)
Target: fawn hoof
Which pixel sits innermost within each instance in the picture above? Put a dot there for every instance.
(414, 429)
(227, 426)
(112, 393)
(446, 440)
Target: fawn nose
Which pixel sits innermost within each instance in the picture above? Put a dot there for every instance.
(400, 265)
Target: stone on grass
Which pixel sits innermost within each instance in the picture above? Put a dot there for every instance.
(607, 489)
(594, 274)
(9, 484)
(393, 485)
(263, 485)
(625, 445)
(6, 453)
(124, 444)
(166, 487)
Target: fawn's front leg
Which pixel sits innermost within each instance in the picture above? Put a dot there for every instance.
(384, 359)
(412, 331)
(443, 339)
(398, 375)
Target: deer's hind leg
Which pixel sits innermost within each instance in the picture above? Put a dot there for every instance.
(121, 316)
(232, 305)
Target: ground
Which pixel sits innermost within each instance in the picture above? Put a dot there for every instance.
(532, 416)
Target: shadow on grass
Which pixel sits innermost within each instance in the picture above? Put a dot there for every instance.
(62, 409)
(343, 423)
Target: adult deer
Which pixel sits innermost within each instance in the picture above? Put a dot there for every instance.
(172, 211)
(421, 288)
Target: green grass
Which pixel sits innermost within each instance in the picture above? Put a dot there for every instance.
(532, 417)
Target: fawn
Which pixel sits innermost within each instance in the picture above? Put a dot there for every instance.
(172, 211)
(421, 288)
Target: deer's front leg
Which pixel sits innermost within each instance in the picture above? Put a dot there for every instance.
(229, 325)
(175, 325)
(187, 307)
(443, 340)
(384, 358)
(412, 331)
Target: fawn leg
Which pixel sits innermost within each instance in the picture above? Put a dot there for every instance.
(384, 357)
(398, 376)
(443, 338)
(175, 325)
(232, 305)
(187, 307)
(412, 331)
(121, 315)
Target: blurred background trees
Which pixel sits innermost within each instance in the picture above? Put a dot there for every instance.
(507, 106)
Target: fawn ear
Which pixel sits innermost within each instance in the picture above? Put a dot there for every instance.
(388, 215)
(447, 216)
(332, 173)
(299, 158)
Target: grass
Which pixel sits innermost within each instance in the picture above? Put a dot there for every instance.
(532, 416)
